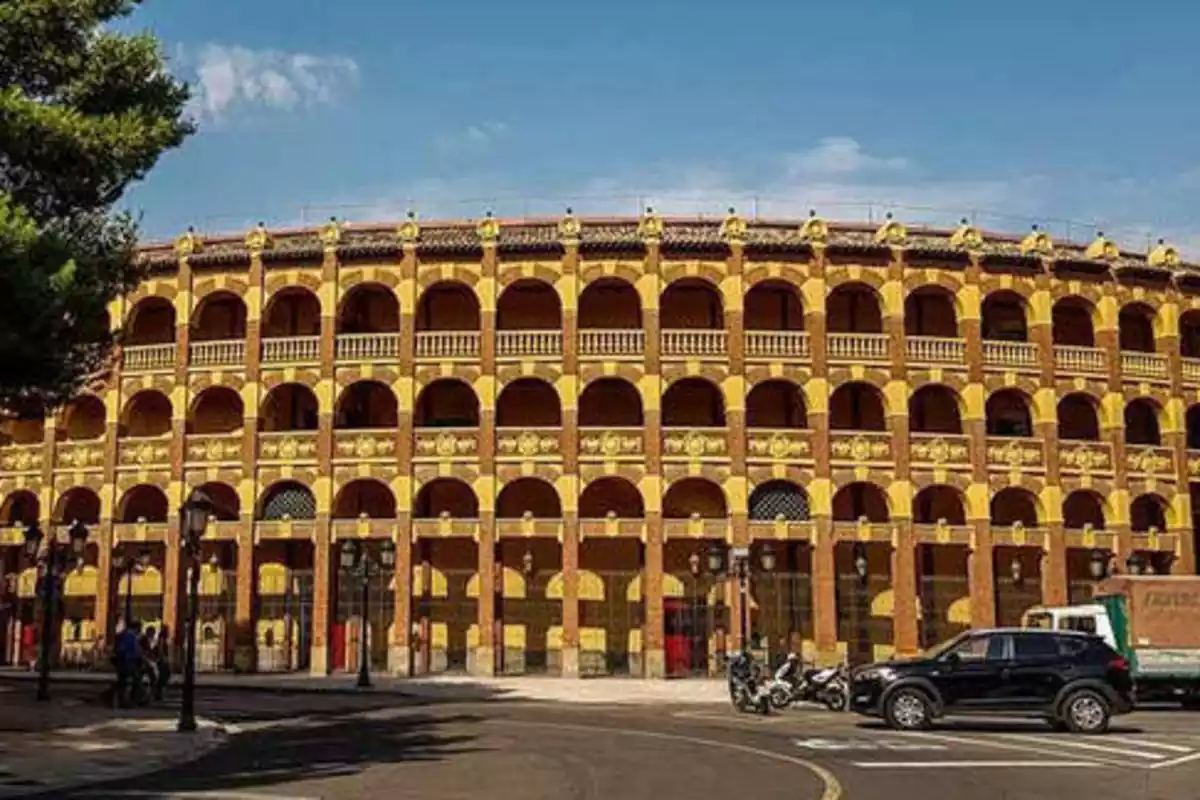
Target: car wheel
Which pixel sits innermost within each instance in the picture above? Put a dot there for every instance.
(1086, 711)
(908, 710)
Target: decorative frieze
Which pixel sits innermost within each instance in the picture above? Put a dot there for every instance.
(695, 444)
(611, 444)
(441, 444)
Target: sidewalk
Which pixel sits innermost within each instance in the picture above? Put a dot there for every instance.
(66, 743)
(623, 691)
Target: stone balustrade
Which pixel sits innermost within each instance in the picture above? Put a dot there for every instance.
(368, 346)
(694, 343)
(217, 353)
(777, 345)
(291, 350)
(148, 357)
(857, 347)
(1010, 355)
(936, 350)
(447, 345)
(1071, 360)
(613, 343)
(529, 344)
(1149, 366)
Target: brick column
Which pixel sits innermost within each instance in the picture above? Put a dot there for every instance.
(824, 566)
(570, 449)
(246, 641)
(980, 561)
(1054, 549)
(324, 563)
(176, 561)
(244, 646)
(654, 658)
(400, 655)
(486, 650)
(738, 489)
(105, 619)
(1113, 421)
(1176, 438)
(905, 636)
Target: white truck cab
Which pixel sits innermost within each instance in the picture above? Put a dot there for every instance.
(1087, 618)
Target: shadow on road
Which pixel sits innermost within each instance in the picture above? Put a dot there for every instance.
(966, 725)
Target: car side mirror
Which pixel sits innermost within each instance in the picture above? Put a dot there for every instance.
(952, 659)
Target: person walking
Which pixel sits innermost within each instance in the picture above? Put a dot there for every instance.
(127, 658)
(158, 655)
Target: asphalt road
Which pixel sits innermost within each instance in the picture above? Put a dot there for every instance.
(338, 746)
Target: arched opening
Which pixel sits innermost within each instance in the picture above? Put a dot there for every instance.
(853, 308)
(447, 403)
(1192, 420)
(20, 508)
(293, 311)
(608, 304)
(776, 404)
(366, 405)
(1004, 317)
(80, 504)
(287, 500)
(144, 503)
(289, 407)
(1013, 505)
(152, 321)
(1071, 322)
(529, 305)
(929, 311)
(610, 402)
(935, 504)
(448, 306)
(694, 497)
(1136, 328)
(611, 495)
(1141, 423)
(776, 500)
(934, 408)
(528, 402)
(365, 497)
(528, 495)
(1078, 418)
(84, 418)
(1008, 414)
(858, 500)
(23, 430)
(1081, 509)
(691, 303)
(220, 316)
(147, 413)
(1148, 511)
(447, 496)
(856, 407)
(773, 306)
(1189, 334)
(227, 506)
(693, 402)
(369, 308)
(217, 409)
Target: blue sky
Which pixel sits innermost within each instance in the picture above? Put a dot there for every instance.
(1012, 112)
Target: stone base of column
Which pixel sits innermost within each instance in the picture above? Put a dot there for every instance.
(485, 662)
(400, 661)
(831, 657)
(244, 658)
(654, 663)
(318, 662)
(570, 662)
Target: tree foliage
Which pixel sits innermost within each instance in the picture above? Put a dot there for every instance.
(84, 112)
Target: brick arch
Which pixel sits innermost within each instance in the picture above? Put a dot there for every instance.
(366, 404)
(143, 501)
(530, 494)
(682, 399)
(448, 305)
(928, 408)
(937, 501)
(85, 417)
(756, 475)
(591, 270)
(219, 314)
(1086, 506)
(21, 507)
(613, 494)
(446, 495)
(147, 413)
(694, 495)
(952, 282)
(923, 479)
(509, 273)
(227, 504)
(368, 496)
(289, 407)
(610, 303)
(356, 313)
(1005, 314)
(991, 283)
(857, 406)
(447, 401)
(1139, 325)
(674, 311)
(1002, 412)
(837, 276)
(1145, 420)
(766, 405)
(166, 289)
(779, 499)
(150, 320)
(610, 401)
(217, 409)
(674, 271)
(352, 278)
(431, 273)
(528, 402)
(1016, 504)
(862, 498)
(790, 272)
(303, 314)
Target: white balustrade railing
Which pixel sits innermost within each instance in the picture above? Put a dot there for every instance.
(777, 344)
(1000, 353)
(290, 349)
(612, 342)
(447, 344)
(528, 343)
(694, 342)
(1143, 365)
(368, 346)
(148, 356)
(936, 350)
(857, 347)
(216, 353)
(1071, 360)
(1191, 369)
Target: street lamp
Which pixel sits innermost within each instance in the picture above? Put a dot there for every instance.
(193, 520)
(1135, 564)
(1016, 571)
(356, 562)
(739, 566)
(1098, 566)
(862, 569)
(53, 563)
(126, 567)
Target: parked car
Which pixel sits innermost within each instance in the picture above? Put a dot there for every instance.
(1073, 680)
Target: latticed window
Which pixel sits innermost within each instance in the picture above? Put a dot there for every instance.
(294, 502)
(779, 499)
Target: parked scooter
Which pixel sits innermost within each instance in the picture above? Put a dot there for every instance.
(748, 687)
(794, 684)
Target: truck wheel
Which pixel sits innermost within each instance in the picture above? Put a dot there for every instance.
(908, 710)
(1086, 711)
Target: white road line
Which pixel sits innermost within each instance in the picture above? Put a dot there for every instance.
(1175, 762)
(1064, 741)
(214, 795)
(1174, 748)
(971, 764)
(1025, 748)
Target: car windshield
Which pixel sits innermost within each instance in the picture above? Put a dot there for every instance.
(945, 647)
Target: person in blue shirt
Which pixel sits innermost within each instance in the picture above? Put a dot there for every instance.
(127, 658)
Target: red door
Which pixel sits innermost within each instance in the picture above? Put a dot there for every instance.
(678, 642)
(337, 643)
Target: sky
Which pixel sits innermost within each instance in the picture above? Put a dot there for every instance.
(1076, 114)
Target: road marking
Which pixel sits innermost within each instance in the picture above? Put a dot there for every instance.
(1023, 748)
(970, 764)
(865, 744)
(1174, 748)
(1062, 741)
(833, 789)
(1175, 762)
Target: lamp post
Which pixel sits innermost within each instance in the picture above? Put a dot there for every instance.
(862, 570)
(126, 567)
(193, 520)
(1135, 564)
(735, 563)
(53, 562)
(1099, 565)
(356, 562)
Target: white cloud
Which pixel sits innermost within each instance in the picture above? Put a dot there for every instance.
(231, 77)
(840, 155)
(472, 139)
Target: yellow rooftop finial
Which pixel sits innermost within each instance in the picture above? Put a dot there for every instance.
(966, 236)
(1037, 243)
(891, 233)
(733, 227)
(1163, 255)
(1102, 249)
(814, 230)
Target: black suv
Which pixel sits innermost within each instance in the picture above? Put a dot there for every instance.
(1074, 680)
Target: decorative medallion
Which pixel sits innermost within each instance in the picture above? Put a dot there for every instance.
(695, 444)
(967, 237)
(814, 230)
(258, 239)
(288, 448)
(650, 227)
(527, 444)
(488, 229)
(733, 228)
(569, 229)
(1163, 255)
(331, 233)
(445, 445)
(610, 444)
(1102, 249)
(409, 231)
(891, 233)
(1037, 243)
(189, 243)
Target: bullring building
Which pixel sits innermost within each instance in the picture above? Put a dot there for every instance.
(562, 442)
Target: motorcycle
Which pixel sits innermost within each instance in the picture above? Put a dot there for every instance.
(788, 684)
(830, 686)
(747, 688)
(793, 684)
